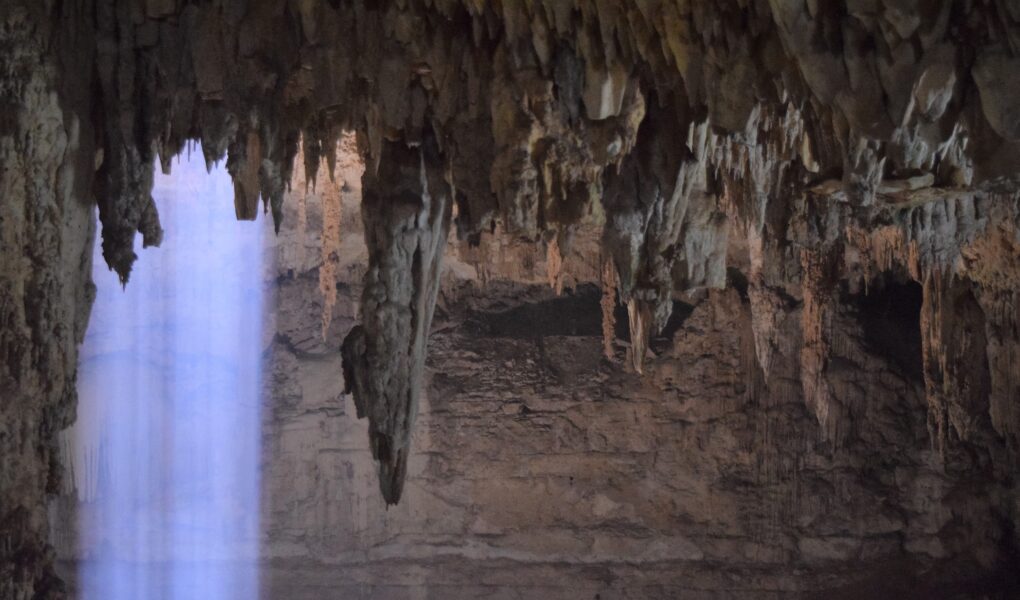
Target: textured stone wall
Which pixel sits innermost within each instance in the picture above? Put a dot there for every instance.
(46, 231)
(541, 469)
(803, 153)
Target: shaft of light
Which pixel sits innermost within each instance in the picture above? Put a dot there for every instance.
(170, 406)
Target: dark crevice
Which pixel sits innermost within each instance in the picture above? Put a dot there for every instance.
(890, 316)
(577, 313)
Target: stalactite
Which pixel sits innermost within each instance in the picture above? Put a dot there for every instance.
(956, 374)
(608, 304)
(329, 250)
(124, 180)
(326, 193)
(406, 210)
(302, 222)
(818, 289)
(243, 163)
(639, 315)
(554, 265)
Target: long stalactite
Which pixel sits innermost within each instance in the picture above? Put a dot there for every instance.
(406, 209)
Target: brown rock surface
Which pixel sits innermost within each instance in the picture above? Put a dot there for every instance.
(46, 291)
(831, 162)
(542, 469)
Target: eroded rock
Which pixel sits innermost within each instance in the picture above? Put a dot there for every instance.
(406, 211)
(801, 150)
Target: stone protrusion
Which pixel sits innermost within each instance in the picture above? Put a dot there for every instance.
(406, 210)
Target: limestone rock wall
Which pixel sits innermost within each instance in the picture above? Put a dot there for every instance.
(541, 469)
(838, 147)
(46, 232)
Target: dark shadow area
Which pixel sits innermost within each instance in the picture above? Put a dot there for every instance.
(664, 339)
(577, 313)
(890, 315)
(902, 578)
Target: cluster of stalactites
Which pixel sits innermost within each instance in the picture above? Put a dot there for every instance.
(962, 248)
(534, 101)
(681, 125)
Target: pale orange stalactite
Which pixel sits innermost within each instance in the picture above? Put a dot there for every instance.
(608, 307)
(554, 266)
(330, 248)
(640, 319)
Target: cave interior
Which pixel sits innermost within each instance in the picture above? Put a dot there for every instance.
(635, 299)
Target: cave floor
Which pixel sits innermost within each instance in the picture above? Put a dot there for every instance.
(455, 577)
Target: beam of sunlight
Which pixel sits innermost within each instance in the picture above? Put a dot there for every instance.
(167, 443)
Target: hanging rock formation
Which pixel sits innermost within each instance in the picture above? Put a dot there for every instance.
(406, 209)
(836, 145)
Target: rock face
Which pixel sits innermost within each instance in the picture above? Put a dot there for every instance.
(543, 469)
(46, 232)
(828, 161)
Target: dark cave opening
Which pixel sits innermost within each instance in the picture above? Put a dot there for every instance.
(576, 313)
(890, 316)
(663, 340)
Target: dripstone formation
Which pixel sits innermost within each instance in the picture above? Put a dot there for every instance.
(407, 219)
(840, 166)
